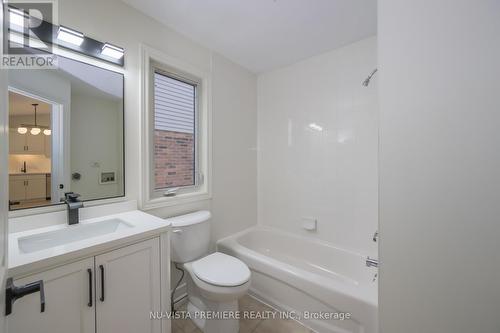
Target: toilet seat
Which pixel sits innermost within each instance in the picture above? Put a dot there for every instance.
(221, 270)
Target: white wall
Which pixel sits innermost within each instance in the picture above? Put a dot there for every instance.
(233, 105)
(329, 175)
(439, 166)
(42, 83)
(234, 203)
(4, 186)
(96, 133)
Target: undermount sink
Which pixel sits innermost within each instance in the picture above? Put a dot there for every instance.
(70, 234)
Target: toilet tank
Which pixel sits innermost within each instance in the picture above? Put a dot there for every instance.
(190, 238)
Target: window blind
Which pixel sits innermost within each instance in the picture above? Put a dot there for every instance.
(174, 104)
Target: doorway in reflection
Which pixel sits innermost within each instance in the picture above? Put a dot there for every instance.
(31, 131)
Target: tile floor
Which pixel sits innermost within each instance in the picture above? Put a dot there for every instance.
(247, 303)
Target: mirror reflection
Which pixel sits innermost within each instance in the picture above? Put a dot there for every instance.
(65, 134)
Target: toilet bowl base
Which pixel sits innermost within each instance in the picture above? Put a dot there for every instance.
(216, 317)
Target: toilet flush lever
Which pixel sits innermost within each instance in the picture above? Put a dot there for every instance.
(177, 231)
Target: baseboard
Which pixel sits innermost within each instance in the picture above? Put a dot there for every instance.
(180, 295)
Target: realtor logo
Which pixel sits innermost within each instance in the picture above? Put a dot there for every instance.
(27, 35)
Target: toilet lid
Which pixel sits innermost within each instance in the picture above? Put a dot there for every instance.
(219, 269)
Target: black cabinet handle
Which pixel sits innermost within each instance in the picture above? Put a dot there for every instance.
(90, 288)
(12, 293)
(101, 267)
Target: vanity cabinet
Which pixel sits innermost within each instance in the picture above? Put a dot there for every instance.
(36, 187)
(131, 289)
(108, 293)
(17, 188)
(66, 302)
(27, 187)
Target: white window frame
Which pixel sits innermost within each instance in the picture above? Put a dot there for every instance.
(173, 73)
(151, 198)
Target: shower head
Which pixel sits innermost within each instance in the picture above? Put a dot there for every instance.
(366, 82)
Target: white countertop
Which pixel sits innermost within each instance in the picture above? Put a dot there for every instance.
(143, 226)
(28, 173)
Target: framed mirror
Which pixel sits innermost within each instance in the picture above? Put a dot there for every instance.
(66, 134)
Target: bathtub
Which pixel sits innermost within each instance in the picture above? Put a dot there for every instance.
(312, 281)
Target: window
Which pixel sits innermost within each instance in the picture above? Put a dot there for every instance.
(175, 104)
(176, 131)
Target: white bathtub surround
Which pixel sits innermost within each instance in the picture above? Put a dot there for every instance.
(295, 273)
(310, 224)
(318, 141)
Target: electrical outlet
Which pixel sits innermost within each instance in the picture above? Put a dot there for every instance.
(107, 178)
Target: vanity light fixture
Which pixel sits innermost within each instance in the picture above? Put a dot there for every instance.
(48, 33)
(112, 51)
(47, 132)
(70, 36)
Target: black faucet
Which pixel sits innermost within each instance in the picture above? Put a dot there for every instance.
(71, 199)
(23, 169)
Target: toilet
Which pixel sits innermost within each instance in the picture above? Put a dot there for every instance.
(215, 281)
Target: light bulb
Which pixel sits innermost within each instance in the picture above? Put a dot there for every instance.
(70, 36)
(35, 131)
(112, 51)
(22, 130)
(47, 131)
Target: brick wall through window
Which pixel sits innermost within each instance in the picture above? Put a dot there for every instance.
(174, 159)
